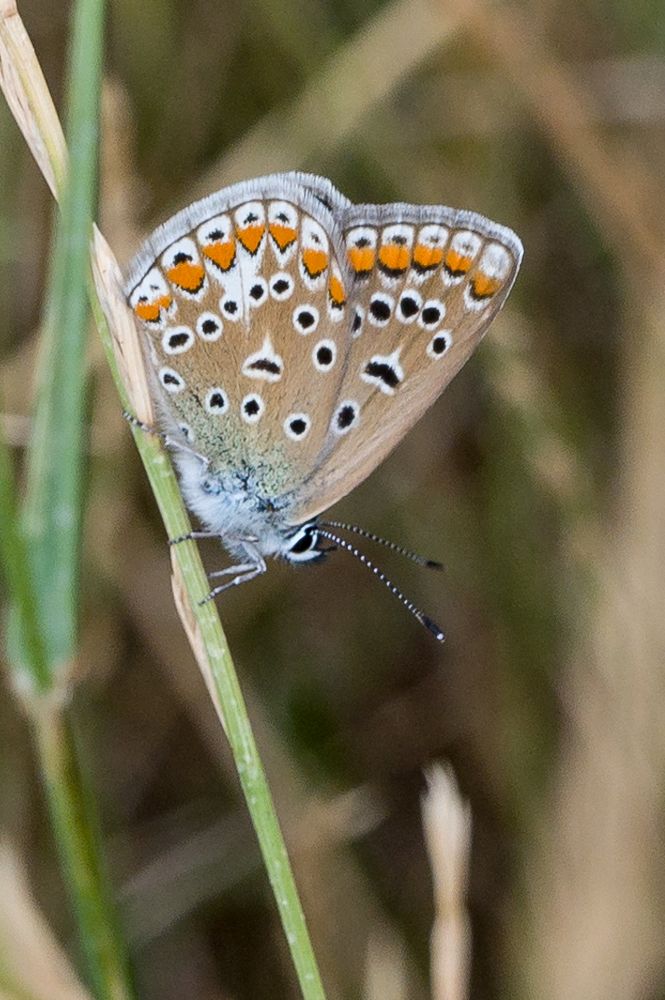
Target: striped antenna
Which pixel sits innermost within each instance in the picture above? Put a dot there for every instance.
(393, 546)
(361, 557)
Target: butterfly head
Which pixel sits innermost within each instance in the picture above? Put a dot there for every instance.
(306, 545)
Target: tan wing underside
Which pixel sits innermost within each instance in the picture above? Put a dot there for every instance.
(469, 266)
(268, 346)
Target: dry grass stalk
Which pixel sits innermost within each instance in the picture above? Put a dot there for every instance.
(447, 822)
(619, 190)
(595, 875)
(27, 94)
(336, 101)
(386, 976)
(32, 964)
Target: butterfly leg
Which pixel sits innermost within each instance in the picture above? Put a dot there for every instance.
(239, 569)
(193, 536)
(166, 439)
(242, 573)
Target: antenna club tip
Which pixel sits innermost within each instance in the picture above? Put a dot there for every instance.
(433, 628)
(433, 564)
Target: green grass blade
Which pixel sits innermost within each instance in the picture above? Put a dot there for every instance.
(56, 455)
(52, 518)
(13, 554)
(73, 815)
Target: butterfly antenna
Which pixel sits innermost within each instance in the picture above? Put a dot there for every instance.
(409, 605)
(407, 553)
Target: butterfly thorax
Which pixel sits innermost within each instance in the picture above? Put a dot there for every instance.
(236, 506)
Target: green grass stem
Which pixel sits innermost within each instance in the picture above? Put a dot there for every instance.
(41, 545)
(41, 130)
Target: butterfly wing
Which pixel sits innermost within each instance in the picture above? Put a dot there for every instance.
(426, 283)
(243, 299)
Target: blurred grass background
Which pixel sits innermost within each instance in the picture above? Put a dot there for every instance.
(537, 479)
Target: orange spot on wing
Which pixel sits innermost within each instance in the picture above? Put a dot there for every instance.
(456, 263)
(427, 257)
(251, 236)
(483, 286)
(187, 275)
(361, 259)
(221, 254)
(336, 291)
(149, 311)
(315, 262)
(283, 236)
(394, 257)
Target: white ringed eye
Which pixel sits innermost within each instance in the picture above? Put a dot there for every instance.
(281, 286)
(258, 292)
(177, 340)
(209, 327)
(346, 417)
(431, 314)
(297, 425)
(305, 319)
(380, 309)
(440, 343)
(216, 400)
(171, 380)
(324, 355)
(252, 407)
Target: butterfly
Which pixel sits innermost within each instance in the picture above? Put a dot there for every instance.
(293, 339)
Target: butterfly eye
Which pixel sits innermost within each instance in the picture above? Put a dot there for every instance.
(304, 543)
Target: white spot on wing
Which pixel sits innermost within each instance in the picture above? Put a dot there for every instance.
(394, 372)
(171, 380)
(440, 344)
(216, 400)
(209, 326)
(264, 364)
(293, 426)
(252, 407)
(177, 339)
(345, 417)
(431, 314)
(327, 349)
(305, 319)
(281, 286)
